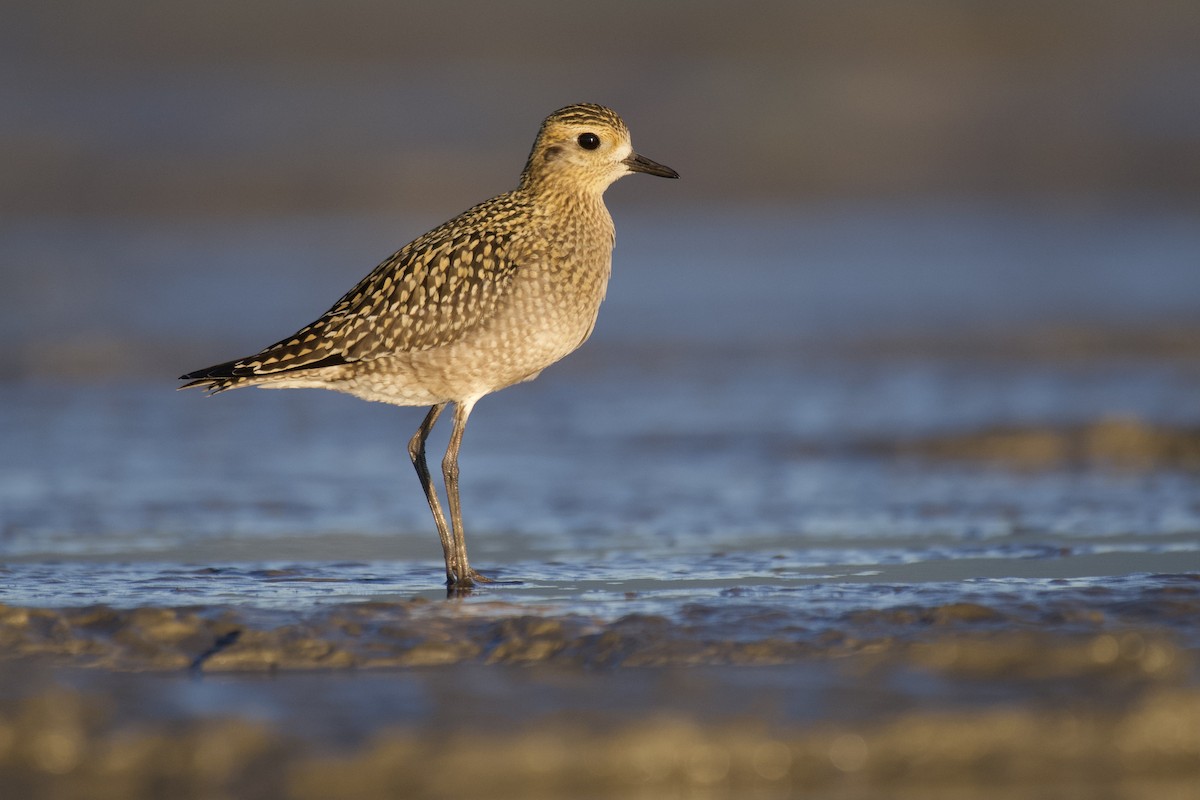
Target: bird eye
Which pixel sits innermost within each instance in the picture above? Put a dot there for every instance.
(589, 141)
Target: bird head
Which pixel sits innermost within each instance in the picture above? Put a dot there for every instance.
(586, 146)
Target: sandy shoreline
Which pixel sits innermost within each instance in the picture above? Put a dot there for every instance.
(420, 632)
(66, 743)
(421, 698)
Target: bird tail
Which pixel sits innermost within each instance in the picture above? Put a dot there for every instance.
(266, 368)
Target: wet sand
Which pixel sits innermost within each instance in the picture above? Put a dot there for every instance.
(63, 742)
(1121, 443)
(1095, 692)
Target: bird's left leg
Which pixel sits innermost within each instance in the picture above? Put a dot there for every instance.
(416, 451)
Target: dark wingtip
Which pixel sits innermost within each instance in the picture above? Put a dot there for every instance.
(217, 372)
(210, 378)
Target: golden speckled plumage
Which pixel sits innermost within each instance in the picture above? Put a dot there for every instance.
(479, 303)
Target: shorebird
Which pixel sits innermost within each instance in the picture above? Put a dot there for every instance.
(482, 302)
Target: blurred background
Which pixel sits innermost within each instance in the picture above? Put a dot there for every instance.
(186, 182)
(895, 220)
(913, 342)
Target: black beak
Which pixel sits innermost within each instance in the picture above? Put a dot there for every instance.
(638, 163)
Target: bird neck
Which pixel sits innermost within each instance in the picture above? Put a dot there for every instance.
(557, 196)
(570, 211)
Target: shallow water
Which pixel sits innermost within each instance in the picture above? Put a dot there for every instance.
(594, 501)
(734, 433)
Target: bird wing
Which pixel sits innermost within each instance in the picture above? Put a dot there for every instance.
(423, 297)
(427, 294)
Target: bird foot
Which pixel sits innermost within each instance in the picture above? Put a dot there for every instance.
(468, 582)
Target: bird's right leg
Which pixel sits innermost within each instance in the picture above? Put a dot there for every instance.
(416, 451)
(467, 577)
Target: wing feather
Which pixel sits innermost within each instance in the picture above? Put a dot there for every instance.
(426, 295)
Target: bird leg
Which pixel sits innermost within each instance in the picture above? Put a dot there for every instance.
(416, 451)
(467, 577)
